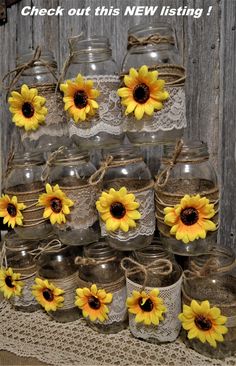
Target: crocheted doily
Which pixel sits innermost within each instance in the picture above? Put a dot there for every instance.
(36, 335)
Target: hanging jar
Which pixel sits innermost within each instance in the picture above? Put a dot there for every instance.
(102, 292)
(90, 93)
(35, 102)
(71, 170)
(126, 204)
(187, 199)
(22, 187)
(152, 91)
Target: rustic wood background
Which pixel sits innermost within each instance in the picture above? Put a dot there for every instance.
(207, 45)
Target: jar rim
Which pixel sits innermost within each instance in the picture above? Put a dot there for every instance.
(36, 157)
(46, 55)
(82, 44)
(151, 26)
(99, 250)
(190, 148)
(71, 154)
(122, 152)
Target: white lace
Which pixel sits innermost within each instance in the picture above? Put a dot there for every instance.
(167, 330)
(26, 299)
(109, 116)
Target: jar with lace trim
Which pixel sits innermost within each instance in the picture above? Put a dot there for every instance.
(102, 293)
(187, 199)
(126, 204)
(153, 85)
(24, 182)
(36, 106)
(91, 94)
(71, 170)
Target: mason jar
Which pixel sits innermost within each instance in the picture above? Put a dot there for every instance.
(24, 180)
(71, 170)
(126, 205)
(187, 199)
(50, 130)
(101, 266)
(155, 46)
(103, 124)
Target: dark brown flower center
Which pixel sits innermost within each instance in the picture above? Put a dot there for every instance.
(94, 302)
(8, 281)
(11, 209)
(28, 110)
(80, 99)
(56, 205)
(203, 323)
(117, 210)
(147, 305)
(141, 93)
(48, 294)
(189, 216)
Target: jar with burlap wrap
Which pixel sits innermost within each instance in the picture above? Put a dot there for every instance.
(94, 106)
(101, 266)
(158, 112)
(37, 71)
(71, 170)
(24, 180)
(187, 199)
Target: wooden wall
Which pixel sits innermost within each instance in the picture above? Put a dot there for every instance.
(207, 45)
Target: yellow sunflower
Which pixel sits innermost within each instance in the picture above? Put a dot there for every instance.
(27, 108)
(79, 98)
(148, 308)
(203, 322)
(10, 209)
(47, 295)
(93, 302)
(118, 209)
(10, 284)
(189, 220)
(143, 92)
(56, 204)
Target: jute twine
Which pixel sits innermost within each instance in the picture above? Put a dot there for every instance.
(153, 39)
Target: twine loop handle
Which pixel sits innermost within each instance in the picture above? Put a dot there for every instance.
(52, 157)
(154, 39)
(97, 177)
(53, 245)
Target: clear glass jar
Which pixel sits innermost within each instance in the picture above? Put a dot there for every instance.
(71, 170)
(128, 170)
(192, 173)
(92, 58)
(107, 274)
(167, 124)
(24, 180)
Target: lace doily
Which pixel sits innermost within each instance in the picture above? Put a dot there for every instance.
(109, 117)
(26, 299)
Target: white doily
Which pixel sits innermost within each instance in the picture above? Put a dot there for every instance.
(109, 117)
(117, 308)
(26, 299)
(169, 328)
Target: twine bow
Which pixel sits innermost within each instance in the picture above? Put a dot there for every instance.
(134, 41)
(99, 174)
(52, 157)
(53, 245)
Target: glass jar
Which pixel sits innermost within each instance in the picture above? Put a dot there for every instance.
(92, 58)
(102, 267)
(187, 199)
(155, 46)
(41, 73)
(71, 170)
(127, 169)
(24, 180)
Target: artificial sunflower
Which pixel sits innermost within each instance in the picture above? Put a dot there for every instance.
(203, 322)
(10, 209)
(48, 296)
(27, 108)
(93, 302)
(56, 204)
(189, 220)
(10, 284)
(118, 209)
(143, 92)
(79, 98)
(148, 308)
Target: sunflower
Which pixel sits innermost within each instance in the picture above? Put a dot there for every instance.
(10, 209)
(10, 283)
(190, 218)
(93, 302)
(118, 209)
(148, 308)
(143, 92)
(47, 295)
(56, 204)
(203, 322)
(27, 108)
(79, 98)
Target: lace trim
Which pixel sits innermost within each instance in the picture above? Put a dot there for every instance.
(26, 299)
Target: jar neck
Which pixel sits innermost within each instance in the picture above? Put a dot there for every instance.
(40, 62)
(99, 251)
(94, 49)
(71, 157)
(151, 253)
(27, 159)
(190, 151)
(122, 153)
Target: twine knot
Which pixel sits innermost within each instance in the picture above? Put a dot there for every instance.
(97, 177)
(51, 159)
(134, 41)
